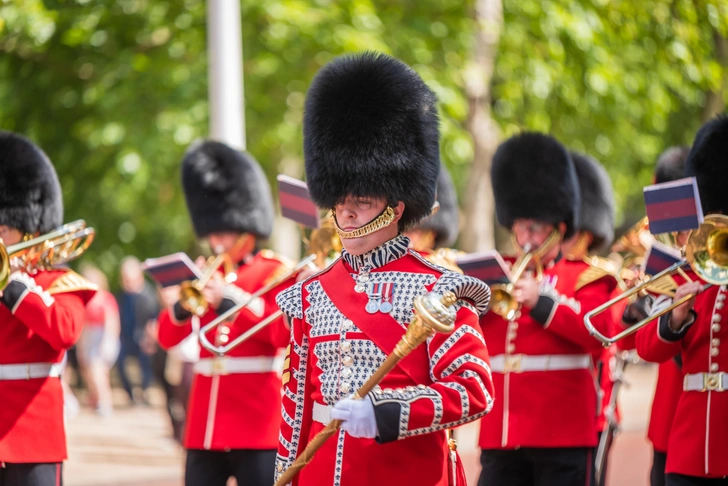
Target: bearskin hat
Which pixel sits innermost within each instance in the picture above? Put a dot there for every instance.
(371, 128)
(708, 163)
(446, 222)
(30, 195)
(533, 177)
(671, 164)
(597, 200)
(226, 190)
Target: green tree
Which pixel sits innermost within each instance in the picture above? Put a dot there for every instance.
(115, 90)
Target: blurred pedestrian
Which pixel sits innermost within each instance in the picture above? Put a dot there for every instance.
(99, 346)
(138, 308)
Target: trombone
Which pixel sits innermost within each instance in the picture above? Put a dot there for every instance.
(321, 243)
(707, 254)
(190, 292)
(60, 246)
(502, 300)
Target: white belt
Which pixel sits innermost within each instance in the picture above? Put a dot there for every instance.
(321, 413)
(517, 363)
(706, 382)
(30, 371)
(249, 364)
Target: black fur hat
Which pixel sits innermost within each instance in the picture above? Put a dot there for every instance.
(708, 163)
(671, 164)
(30, 195)
(597, 200)
(533, 177)
(370, 128)
(446, 222)
(226, 190)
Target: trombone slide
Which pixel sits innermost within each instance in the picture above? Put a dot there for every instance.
(221, 350)
(607, 341)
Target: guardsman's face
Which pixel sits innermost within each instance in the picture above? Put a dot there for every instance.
(531, 232)
(222, 242)
(10, 236)
(355, 212)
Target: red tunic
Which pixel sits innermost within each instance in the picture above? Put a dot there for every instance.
(40, 317)
(698, 439)
(547, 408)
(664, 405)
(237, 410)
(331, 357)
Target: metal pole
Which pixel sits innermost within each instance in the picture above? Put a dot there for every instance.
(225, 72)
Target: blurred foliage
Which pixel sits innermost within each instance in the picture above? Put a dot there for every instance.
(115, 90)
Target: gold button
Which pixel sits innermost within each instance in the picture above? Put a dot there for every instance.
(714, 352)
(345, 346)
(224, 330)
(715, 327)
(716, 318)
(348, 361)
(348, 324)
(345, 388)
(715, 342)
(511, 348)
(714, 367)
(346, 373)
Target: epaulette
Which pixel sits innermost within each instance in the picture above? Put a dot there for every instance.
(290, 301)
(285, 265)
(444, 257)
(70, 281)
(271, 255)
(598, 268)
(465, 287)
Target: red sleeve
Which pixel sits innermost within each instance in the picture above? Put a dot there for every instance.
(655, 342)
(171, 332)
(462, 388)
(565, 316)
(58, 319)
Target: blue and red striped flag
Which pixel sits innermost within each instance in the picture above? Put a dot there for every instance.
(673, 206)
(296, 202)
(660, 257)
(488, 267)
(172, 269)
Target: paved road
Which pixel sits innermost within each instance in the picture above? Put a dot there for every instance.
(133, 447)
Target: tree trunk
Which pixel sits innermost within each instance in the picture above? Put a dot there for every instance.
(715, 100)
(478, 231)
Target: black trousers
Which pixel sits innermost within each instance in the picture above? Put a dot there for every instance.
(249, 467)
(680, 480)
(657, 472)
(567, 466)
(32, 474)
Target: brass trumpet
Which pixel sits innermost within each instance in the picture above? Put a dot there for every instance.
(58, 247)
(707, 254)
(502, 300)
(190, 292)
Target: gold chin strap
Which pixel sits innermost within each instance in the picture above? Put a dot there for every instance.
(381, 221)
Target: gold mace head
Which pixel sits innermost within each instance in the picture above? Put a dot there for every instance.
(436, 312)
(433, 313)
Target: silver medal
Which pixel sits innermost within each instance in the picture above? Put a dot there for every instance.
(372, 307)
(375, 298)
(387, 298)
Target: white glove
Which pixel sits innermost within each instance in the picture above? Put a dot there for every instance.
(358, 417)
